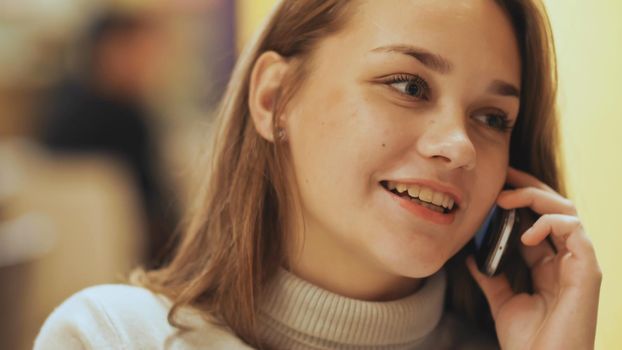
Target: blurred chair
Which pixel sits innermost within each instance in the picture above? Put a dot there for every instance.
(65, 224)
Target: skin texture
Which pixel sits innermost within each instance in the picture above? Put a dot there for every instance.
(349, 127)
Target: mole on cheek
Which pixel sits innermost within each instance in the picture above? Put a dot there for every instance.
(384, 145)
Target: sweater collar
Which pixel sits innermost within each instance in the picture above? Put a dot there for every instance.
(295, 307)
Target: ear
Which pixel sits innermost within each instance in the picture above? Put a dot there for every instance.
(266, 80)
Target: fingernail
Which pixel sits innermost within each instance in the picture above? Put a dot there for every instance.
(522, 239)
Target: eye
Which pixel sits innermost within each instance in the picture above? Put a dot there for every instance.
(496, 120)
(411, 85)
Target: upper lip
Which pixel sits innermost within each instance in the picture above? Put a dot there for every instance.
(436, 186)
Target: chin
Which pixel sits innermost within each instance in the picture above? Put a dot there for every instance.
(424, 272)
(420, 266)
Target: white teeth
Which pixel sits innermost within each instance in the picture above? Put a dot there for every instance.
(437, 199)
(401, 188)
(424, 194)
(414, 190)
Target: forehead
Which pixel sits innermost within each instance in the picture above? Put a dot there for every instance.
(472, 34)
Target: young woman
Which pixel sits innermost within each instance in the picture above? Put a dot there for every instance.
(358, 149)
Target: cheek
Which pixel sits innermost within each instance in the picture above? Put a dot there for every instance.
(336, 152)
(494, 166)
(341, 142)
(487, 182)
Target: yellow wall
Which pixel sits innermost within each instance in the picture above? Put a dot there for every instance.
(589, 46)
(250, 14)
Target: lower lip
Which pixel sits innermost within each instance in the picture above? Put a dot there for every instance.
(423, 212)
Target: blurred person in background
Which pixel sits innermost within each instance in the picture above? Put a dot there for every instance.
(102, 110)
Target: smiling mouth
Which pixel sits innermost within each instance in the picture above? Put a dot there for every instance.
(405, 195)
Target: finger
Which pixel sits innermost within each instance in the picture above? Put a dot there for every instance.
(496, 289)
(539, 200)
(520, 178)
(544, 271)
(567, 232)
(537, 255)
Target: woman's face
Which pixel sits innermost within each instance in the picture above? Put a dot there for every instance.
(411, 92)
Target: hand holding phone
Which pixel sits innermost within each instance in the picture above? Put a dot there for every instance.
(565, 281)
(499, 237)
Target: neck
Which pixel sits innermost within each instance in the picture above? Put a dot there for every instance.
(335, 267)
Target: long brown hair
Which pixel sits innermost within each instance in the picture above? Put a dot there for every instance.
(234, 240)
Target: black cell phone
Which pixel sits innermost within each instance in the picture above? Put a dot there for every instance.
(499, 237)
(495, 239)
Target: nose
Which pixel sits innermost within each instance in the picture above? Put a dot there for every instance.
(445, 138)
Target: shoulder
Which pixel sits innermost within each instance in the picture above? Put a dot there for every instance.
(121, 317)
(104, 316)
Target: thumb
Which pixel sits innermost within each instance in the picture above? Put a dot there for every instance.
(496, 289)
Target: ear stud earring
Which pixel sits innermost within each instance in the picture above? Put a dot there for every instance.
(280, 134)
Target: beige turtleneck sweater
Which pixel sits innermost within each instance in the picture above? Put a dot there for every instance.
(293, 315)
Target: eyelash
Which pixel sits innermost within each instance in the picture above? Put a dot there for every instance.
(505, 126)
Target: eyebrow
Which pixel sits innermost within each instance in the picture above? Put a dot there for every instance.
(442, 65)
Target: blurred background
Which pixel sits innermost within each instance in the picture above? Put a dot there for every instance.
(104, 107)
